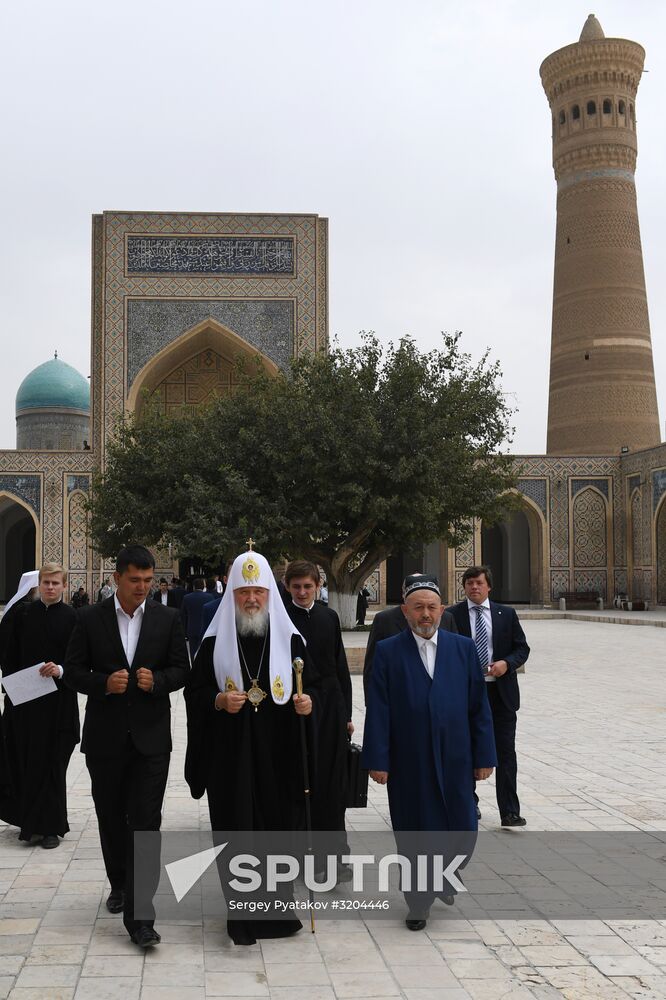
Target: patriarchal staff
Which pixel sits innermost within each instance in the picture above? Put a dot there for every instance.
(243, 733)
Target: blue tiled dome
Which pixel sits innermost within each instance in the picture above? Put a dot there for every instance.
(53, 385)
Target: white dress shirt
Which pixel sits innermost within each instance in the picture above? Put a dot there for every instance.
(428, 651)
(164, 597)
(488, 621)
(129, 627)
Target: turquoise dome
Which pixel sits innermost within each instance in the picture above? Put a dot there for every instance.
(53, 385)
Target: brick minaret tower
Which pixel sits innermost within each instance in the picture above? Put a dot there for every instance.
(602, 391)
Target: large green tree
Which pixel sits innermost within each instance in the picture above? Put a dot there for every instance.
(347, 458)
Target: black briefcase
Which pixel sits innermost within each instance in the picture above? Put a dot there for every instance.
(357, 779)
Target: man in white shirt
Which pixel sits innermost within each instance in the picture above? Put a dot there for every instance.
(127, 654)
(502, 648)
(428, 730)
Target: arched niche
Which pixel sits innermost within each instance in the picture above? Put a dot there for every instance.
(517, 546)
(201, 363)
(20, 549)
(660, 550)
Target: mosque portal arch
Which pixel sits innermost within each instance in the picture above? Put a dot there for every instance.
(514, 549)
(19, 548)
(194, 369)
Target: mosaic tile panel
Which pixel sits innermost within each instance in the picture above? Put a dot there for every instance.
(153, 324)
(78, 535)
(78, 483)
(591, 580)
(621, 581)
(589, 520)
(27, 488)
(559, 583)
(581, 484)
(210, 255)
(637, 528)
(658, 486)
(535, 489)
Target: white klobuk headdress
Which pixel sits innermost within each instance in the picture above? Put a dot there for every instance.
(250, 569)
(26, 583)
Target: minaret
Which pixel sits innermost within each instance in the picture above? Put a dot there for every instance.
(602, 396)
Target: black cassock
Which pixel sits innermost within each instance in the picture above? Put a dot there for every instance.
(249, 764)
(39, 735)
(320, 627)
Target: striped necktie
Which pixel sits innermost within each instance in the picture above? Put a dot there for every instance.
(481, 638)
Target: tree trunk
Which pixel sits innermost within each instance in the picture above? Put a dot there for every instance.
(343, 601)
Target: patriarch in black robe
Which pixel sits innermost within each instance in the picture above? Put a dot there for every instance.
(243, 725)
(41, 734)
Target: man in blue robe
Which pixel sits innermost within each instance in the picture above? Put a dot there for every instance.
(428, 729)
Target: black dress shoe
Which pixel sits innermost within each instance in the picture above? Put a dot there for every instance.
(145, 937)
(415, 925)
(115, 902)
(478, 813)
(49, 842)
(513, 819)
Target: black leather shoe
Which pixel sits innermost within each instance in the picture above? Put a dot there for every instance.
(449, 900)
(115, 902)
(145, 937)
(478, 813)
(49, 842)
(513, 819)
(415, 925)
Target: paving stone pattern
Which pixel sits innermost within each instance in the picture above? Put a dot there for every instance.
(591, 748)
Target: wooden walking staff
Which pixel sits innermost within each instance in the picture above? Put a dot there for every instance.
(298, 665)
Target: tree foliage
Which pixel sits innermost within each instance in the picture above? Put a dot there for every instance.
(347, 458)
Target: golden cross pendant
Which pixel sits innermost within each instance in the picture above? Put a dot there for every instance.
(250, 543)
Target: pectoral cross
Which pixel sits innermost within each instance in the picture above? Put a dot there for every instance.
(250, 543)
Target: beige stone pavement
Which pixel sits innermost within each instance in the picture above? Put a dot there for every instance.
(591, 745)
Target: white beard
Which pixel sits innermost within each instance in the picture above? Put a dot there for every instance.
(255, 624)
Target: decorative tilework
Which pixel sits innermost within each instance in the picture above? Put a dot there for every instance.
(536, 490)
(210, 255)
(589, 519)
(621, 584)
(153, 324)
(116, 287)
(581, 484)
(633, 482)
(78, 540)
(559, 583)
(27, 488)
(658, 486)
(78, 483)
(590, 580)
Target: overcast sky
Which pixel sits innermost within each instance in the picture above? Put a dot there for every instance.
(420, 130)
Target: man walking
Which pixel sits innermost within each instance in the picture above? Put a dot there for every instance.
(428, 732)
(127, 654)
(40, 734)
(502, 648)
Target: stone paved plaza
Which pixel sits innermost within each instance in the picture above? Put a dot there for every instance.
(591, 745)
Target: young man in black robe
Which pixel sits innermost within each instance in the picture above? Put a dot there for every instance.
(243, 723)
(41, 734)
(320, 627)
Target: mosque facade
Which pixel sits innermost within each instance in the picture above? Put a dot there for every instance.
(176, 297)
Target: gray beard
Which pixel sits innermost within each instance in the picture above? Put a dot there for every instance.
(425, 631)
(256, 624)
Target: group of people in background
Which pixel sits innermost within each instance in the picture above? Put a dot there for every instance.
(432, 678)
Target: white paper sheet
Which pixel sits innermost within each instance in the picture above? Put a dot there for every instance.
(28, 684)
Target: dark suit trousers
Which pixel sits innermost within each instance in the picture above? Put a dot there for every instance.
(128, 790)
(504, 724)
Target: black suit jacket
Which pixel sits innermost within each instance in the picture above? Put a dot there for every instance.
(95, 650)
(175, 598)
(387, 623)
(509, 643)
